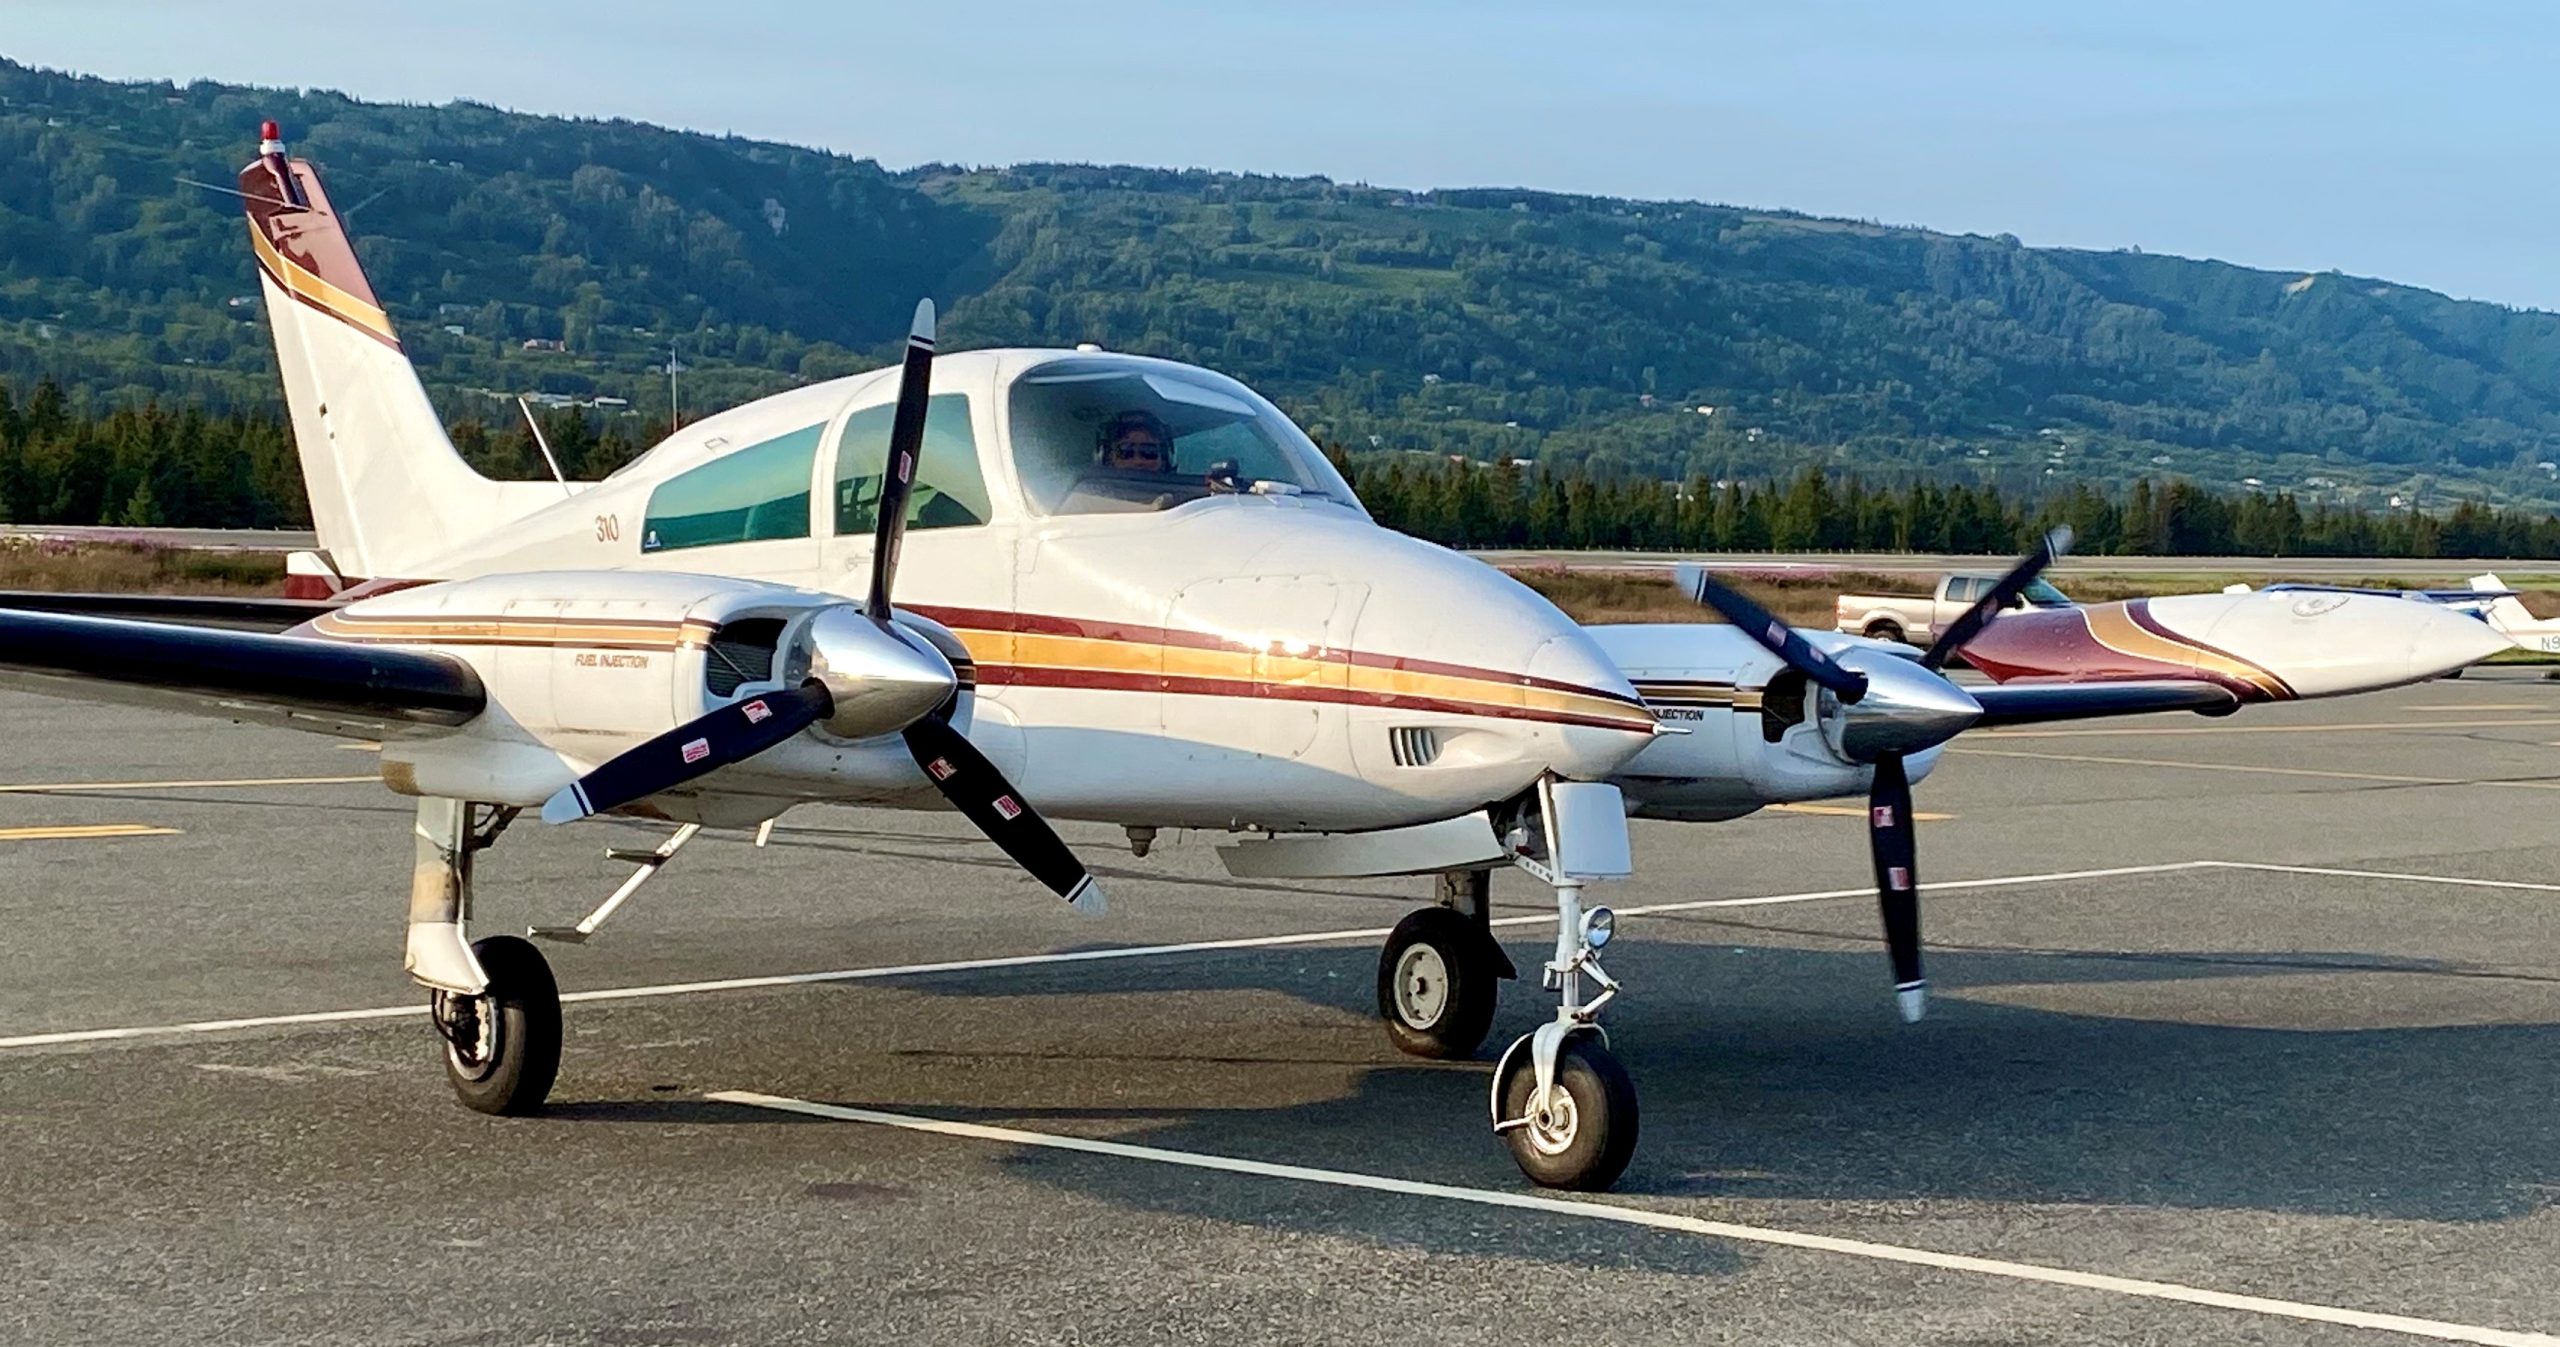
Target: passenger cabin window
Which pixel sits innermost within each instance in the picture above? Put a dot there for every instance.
(949, 490)
(746, 495)
(1102, 434)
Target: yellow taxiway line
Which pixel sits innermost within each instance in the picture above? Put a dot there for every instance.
(71, 831)
(1851, 811)
(219, 784)
(2274, 729)
(2385, 777)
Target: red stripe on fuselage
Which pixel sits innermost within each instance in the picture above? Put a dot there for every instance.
(1042, 624)
(998, 675)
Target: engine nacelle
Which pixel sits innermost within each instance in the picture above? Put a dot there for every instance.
(1752, 735)
(582, 665)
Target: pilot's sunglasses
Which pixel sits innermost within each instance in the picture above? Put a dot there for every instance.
(1137, 451)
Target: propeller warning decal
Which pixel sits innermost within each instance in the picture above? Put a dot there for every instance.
(697, 750)
(757, 713)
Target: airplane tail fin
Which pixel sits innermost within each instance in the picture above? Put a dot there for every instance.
(2508, 615)
(388, 492)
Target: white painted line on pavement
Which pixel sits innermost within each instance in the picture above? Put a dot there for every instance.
(1075, 956)
(1590, 1210)
(1019, 961)
(2457, 881)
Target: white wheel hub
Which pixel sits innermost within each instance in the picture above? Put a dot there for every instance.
(1422, 986)
(480, 1057)
(1551, 1129)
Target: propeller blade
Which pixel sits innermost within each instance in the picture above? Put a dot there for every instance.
(906, 441)
(733, 733)
(974, 786)
(1890, 836)
(1971, 622)
(1783, 641)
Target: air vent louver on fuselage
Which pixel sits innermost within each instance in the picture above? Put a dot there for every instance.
(742, 652)
(1413, 747)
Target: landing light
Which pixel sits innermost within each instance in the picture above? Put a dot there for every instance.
(1598, 925)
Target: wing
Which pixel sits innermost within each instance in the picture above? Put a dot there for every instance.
(2030, 703)
(245, 612)
(305, 682)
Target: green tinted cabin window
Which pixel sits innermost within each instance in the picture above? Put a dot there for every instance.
(949, 491)
(746, 495)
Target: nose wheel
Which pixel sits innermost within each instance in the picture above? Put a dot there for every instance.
(1584, 1132)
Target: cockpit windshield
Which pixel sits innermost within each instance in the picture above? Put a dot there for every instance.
(1104, 434)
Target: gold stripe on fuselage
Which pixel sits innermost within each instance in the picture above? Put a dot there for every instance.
(691, 633)
(1085, 654)
(2114, 628)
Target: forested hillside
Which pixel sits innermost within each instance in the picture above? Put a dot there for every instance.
(1638, 339)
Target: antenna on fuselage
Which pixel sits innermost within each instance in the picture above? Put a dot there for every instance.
(544, 445)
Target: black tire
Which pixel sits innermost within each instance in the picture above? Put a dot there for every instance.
(509, 1065)
(1436, 984)
(1588, 1146)
(1884, 631)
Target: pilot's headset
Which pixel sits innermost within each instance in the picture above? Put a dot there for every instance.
(1109, 432)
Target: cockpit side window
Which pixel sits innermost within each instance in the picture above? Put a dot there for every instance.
(949, 490)
(746, 495)
(1096, 435)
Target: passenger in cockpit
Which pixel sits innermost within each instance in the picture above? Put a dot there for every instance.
(1135, 441)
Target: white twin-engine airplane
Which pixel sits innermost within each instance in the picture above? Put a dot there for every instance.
(1128, 591)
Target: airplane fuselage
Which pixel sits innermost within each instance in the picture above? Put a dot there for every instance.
(1239, 659)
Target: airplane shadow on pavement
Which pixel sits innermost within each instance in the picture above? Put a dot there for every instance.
(1781, 1074)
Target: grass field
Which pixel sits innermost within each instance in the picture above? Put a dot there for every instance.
(131, 568)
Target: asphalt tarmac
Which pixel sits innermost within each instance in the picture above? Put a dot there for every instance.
(2241, 1034)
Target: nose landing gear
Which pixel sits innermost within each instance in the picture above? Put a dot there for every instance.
(1560, 1100)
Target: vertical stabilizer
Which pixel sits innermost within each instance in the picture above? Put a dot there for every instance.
(2511, 619)
(388, 492)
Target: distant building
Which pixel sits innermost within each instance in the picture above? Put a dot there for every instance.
(543, 344)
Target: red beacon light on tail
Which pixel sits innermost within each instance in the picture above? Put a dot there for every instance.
(271, 151)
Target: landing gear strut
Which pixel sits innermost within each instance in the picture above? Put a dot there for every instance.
(1560, 1100)
(492, 1001)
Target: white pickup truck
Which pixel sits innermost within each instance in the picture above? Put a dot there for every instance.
(1918, 618)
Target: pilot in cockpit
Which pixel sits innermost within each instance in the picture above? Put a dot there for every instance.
(1135, 441)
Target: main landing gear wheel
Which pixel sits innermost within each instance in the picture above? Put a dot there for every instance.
(502, 1047)
(1436, 982)
(1586, 1134)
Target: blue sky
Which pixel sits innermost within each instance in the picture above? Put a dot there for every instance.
(2410, 142)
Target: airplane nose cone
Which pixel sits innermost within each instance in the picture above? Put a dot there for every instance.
(1906, 708)
(2444, 640)
(1590, 752)
(880, 681)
